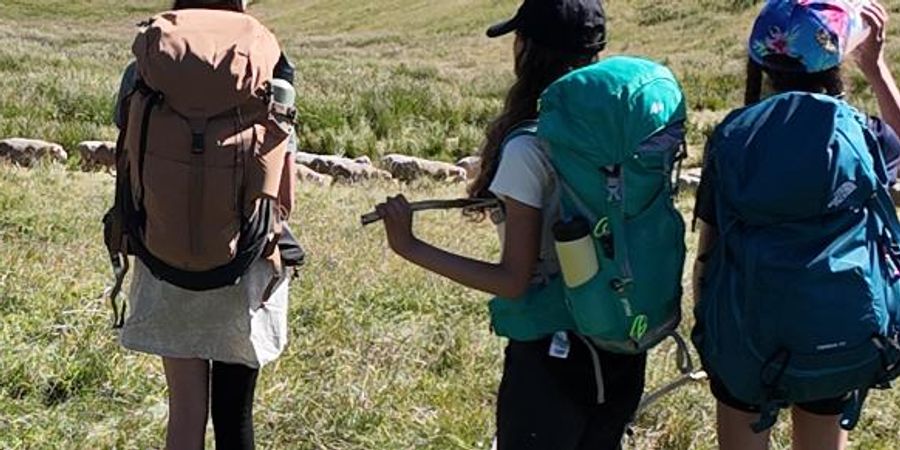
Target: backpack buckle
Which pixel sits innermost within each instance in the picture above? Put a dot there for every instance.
(768, 416)
(851, 413)
(198, 142)
(613, 176)
(891, 253)
(888, 352)
(620, 285)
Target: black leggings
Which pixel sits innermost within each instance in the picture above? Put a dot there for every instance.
(233, 386)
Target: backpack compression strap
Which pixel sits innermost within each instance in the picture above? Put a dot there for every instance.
(116, 220)
(115, 233)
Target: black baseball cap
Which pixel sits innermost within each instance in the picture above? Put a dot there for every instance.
(568, 25)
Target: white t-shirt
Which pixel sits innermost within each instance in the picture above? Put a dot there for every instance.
(526, 175)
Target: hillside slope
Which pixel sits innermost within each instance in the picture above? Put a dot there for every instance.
(405, 76)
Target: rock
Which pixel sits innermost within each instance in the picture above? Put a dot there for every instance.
(363, 160)
(690, 178)
(343, 170)
(27, 152)
(307, 175)
(97, 155)
(472, 166)
(409, 168)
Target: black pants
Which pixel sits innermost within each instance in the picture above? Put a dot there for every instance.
(233, 386)
(548, 403)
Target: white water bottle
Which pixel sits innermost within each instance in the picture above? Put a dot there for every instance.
(859, 27)
(283, 96)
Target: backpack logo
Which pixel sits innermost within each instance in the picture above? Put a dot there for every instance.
(842, 193)
(832, 346)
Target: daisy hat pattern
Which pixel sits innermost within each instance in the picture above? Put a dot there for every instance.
(814, 32)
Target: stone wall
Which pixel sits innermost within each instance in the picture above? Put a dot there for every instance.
(321, 170)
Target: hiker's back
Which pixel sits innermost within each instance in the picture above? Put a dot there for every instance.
(614, 132)
(800, 293)
(203, 191)
(204, 152)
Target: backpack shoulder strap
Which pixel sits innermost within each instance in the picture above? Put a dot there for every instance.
(882, 203)
(524, 128)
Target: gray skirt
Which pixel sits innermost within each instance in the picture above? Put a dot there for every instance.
(230, 324)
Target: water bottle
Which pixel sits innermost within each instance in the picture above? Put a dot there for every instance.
(576, 251)
(859, 28)
(283, 96)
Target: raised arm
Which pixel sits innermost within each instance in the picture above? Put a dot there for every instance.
(509, 278)
(870, 58)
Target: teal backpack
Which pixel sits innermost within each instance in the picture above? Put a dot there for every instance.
(801, 297)
(614, 132)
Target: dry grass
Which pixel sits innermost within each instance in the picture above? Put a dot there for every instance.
(384, 355)
(374, 77)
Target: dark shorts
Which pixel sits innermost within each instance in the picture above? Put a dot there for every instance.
(827, 407)
(547, 403)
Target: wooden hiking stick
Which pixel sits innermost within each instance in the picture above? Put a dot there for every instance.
(461, 203)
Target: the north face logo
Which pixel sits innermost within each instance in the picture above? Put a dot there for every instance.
(841, 194)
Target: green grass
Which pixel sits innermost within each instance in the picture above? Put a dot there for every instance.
(381, 77)
(383, 355)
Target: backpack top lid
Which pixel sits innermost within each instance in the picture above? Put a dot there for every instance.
(792, 157)
(205, 61)
(605, 110)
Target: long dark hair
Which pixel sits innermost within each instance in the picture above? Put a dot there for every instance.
(229, 5)
(789, 76)
(537, 66)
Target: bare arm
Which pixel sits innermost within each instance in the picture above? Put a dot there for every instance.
(705, 243)
(509, 278)
(870, 58)
(888, 95)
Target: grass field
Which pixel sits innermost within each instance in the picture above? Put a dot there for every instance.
(383, 355)
(404, 76)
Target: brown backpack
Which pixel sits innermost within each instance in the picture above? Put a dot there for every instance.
(200, 160)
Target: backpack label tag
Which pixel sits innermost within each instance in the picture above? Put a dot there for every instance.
(832, 346)
(560, 346)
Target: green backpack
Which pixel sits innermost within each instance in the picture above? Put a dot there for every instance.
(614, 132)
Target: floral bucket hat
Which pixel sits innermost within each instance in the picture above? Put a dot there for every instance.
(817, 33)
